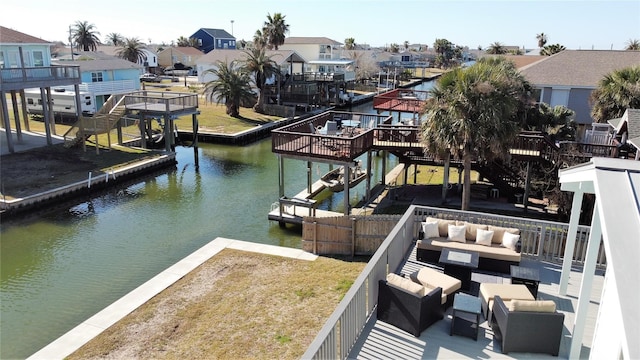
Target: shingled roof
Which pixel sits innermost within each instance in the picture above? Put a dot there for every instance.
(218, 33)
(279, 56)
(10, 36)
(310, 40)
(578, 68)
(94, 61)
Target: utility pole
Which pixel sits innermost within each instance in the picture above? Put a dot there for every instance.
(231, 27)
(71, 43)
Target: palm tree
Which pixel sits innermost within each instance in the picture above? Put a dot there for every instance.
(552, 49)
(473, 113)
(259, 40)
(274, 30)
(497, 49)
(187, 42)
(85, 36)
(633, 44)
(542, 39)
(394, 48)
(406, 45)
(131, 50)
(616, 92)
(263, 68)
(115, 39)
(444, 49)
(349, 43)
(231, 86)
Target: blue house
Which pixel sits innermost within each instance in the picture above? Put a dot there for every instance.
(210, 39)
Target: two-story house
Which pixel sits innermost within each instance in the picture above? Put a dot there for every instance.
(25, 62)
(568, 78)
(211, 39)
(149, 62)
(104, 75)
(186, 55)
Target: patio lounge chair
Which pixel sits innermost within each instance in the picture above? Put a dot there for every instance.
(408, 307)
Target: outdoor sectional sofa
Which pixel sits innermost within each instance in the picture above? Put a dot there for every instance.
(498, 247)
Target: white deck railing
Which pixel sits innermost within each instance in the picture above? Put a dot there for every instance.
(541, 239)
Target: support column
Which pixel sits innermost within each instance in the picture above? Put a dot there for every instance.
(384, 167)
(309, 177)
(45, 115)
(527, 187)
(25, 114)
(194, 143)
(280, 176)
(585, 286)
(168, 132)
(369, 173)
(445, 177)
(52, 115)
(406, 174)
(415, 173)
(570, 245)
(347, 178)
(76, 88)
(16, 114)
(142, 126)
(7, 122)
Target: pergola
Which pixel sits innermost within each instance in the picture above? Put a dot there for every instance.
(615, 220)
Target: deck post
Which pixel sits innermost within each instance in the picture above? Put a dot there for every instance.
(309, 179)
(527, 187)
(16, 114)
(570, 244)
(369, 153)
(168, 132)
(445, 177)
(25, 114)
(584, 298)
(194, 143)
(45, 113)
(280, 177)
(347, 178)
(76, 88)
(415, 173)
(7, 122)
(384, 167)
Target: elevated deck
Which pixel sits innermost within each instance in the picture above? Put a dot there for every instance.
(401, 100)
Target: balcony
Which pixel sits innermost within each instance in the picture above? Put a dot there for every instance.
(353, 331)
(38, 77)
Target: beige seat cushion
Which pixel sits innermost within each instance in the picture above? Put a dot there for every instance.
(406, 284)
(495, 251)
(429, 277)
(471, 230)
(498, 233)
(443, 225)
(534, 306)
(506, 291)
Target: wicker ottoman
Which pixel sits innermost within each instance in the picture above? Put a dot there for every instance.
(506, 291)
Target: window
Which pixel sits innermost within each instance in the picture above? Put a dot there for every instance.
(1, 60)
(96, 77)
(219, 43)
(38, 58)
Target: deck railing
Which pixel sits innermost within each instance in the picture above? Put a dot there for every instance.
(543, 239)
(180, 100)
(21, 78)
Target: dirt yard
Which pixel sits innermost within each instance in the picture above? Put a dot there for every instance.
(46, 168)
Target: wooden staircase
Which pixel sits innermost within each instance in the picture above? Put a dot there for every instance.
(101, 122)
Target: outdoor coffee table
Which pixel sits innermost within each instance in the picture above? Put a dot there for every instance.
(465, 317)
(459, 264)
(526, 276)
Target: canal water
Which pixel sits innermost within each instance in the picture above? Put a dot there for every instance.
(61, 266)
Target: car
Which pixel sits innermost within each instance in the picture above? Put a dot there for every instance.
(150, 78)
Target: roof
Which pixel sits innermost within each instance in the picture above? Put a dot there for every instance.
(218, 33)
(332, 62)
(10, 36)
(310, 40)
(616, 184)
(519, 60)
(631, 117)
(185, 50)
(279, 56)
(91, 61)
(578, 68)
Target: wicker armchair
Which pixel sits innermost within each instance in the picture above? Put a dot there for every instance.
(526, 331)
(406, 310)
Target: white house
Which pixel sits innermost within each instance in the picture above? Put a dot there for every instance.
(323, 56)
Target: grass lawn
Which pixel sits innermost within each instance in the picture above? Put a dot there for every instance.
(237, 305)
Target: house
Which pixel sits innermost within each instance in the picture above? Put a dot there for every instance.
(568, 78)
(323, 55)
(211, 39)
(150, 61)
(25, 62)
(104, 75)
(285, 60)
(627, 130)
(186, 55)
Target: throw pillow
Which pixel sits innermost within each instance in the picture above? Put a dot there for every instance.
(430, 230)
(510, 240)
(456, 233)
(483, 237)
(532, 305)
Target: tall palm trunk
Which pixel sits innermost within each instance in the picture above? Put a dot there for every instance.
(466, 183)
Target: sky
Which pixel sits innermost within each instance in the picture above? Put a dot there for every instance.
(600, 25)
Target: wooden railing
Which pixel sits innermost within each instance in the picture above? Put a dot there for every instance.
(27, 77)
(541, 239)
(400, 100)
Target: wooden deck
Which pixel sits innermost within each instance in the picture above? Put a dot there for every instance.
(380, 340)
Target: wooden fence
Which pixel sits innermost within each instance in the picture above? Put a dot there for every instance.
(346, 235)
